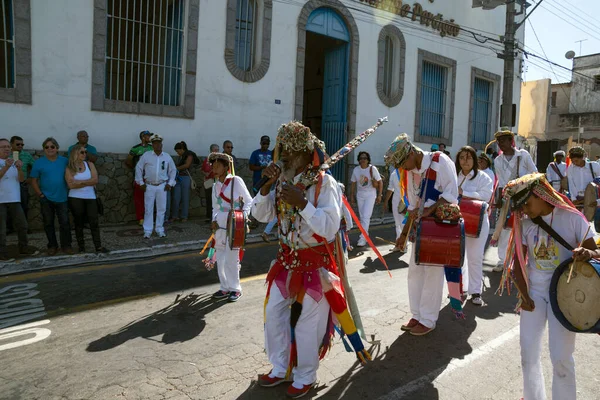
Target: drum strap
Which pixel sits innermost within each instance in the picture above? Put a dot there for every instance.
(544, 225)
(555, 168)
(592, 171)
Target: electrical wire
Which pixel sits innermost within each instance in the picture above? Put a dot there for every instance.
(564, 9)
(573, 25)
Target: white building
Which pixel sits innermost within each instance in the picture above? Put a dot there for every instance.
(207, 70)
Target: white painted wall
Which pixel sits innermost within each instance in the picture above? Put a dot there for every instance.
(225, 107)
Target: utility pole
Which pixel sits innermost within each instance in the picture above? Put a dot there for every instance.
(509, 65)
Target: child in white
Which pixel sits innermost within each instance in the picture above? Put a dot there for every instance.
(476, 185)
(363, 178)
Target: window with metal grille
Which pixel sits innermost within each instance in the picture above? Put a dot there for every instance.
(596, 82)
(434, 88)
(245, 33)
(7, 45)
(481, 118)
(144, 51)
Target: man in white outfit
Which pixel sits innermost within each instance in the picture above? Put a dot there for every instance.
(425, 282)
(556, 170)
(394, 191)
(580, 173)
(511, 164)
(155, 173)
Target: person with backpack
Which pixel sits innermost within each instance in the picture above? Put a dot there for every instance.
(369, 192)
(181, 192)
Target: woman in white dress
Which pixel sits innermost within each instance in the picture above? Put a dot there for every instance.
(366, 190)
(476, 185)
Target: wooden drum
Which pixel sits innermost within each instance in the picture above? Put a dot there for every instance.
(473, 213)
(440, 244)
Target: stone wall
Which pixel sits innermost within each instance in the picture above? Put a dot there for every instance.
(115, 188)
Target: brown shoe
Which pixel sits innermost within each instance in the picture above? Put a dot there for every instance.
(420, 330)
(68, 250)
(265, 237)
(51, 251)
(410, 325)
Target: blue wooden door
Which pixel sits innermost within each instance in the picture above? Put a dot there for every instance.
(335, 93)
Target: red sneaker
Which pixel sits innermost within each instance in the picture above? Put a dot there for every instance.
(420, 330)
(266, 381)
(411, 324)
(294, 393)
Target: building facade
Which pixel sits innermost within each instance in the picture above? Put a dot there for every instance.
(203, 71)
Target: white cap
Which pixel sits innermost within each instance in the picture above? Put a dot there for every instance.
(156, 137)
(559, 153)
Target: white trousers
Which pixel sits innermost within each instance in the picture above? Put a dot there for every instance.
(365, 202)
(561, 343)
(425, 289)
(472, 270)
(310, 330)
(228, 268)
(398, 218)
(152, 194)
(503, 243)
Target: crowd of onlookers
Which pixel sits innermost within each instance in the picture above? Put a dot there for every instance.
(162, 188)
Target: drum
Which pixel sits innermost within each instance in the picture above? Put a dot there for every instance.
(439, 243)
(592, 193)
(473, 213)
(576, 304)
(236, 229)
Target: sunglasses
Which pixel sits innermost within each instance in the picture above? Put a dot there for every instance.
(19, 144)
(50, 147)
(83, 152)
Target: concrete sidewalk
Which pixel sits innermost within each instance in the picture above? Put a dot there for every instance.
(125, 242)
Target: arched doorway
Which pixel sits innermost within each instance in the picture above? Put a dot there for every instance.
(324, 74)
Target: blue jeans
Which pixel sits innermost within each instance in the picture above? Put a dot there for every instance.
(50, 209)
(181, 197)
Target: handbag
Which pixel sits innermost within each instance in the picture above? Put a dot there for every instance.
(193, 182)
(373, 182)
(99, 204)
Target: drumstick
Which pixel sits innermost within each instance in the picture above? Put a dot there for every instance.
(580, 244)
(384, 240)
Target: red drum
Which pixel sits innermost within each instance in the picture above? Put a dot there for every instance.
(440, 244)
(510, 221)
(236, 229)
(473, 212)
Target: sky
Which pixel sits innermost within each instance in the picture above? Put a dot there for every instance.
(559, 24)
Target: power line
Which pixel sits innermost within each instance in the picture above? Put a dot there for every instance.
(573, 25)
(582, 14)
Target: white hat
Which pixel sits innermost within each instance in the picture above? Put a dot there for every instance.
(559, 153)
(156, 137)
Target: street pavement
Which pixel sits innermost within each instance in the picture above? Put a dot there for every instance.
(149, 330)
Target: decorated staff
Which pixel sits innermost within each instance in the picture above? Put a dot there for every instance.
(555, 233)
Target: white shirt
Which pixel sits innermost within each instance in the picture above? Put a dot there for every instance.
(86, 192)
(394, 186)
(553, 177)
(323, 218)
(479, 188)
(445, 181)
(580, 177)
(541, 264)
(507, 170)
(10, 189)
(491, 174)
(153, 169)
(221, 207)
(362, 178)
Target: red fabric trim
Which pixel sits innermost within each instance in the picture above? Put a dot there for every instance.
(221, 195)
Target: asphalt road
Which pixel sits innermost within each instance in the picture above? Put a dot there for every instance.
(149, 330)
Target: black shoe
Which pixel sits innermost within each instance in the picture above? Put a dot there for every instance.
(102, 250)
(234, 296)
(220, 295)
(81, 249)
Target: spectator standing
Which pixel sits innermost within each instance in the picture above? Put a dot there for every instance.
(132, 159)
(442, 148)
(82, 139)
(370, 187)
(259, 160)
(48, 183)
(155, 174)
(181, 191)
(18, 144)
(81, 178)
(209, 181)
(11, 174)
(228, 149)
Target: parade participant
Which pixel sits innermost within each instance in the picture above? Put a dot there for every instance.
(484, 163)
(370, 188)
(533, 255)
(396, 192)
(557, 170)
(511, 164)
(303, 283)
(227, 189)
(580, 173)
(431, 182)
(155, 174)
(476, 185)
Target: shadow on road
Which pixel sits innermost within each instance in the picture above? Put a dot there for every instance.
(181, 321)
(373, 264)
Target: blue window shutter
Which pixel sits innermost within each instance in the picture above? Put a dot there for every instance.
(482, 110)
(434, 89)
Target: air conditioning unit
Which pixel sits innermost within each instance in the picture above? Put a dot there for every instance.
(488, 4)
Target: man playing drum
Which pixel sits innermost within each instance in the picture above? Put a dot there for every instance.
(425, 282)
(303, 282)
(511, 164)
(533, 255)
(581, 173)
(474, 184)
(228, 192)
